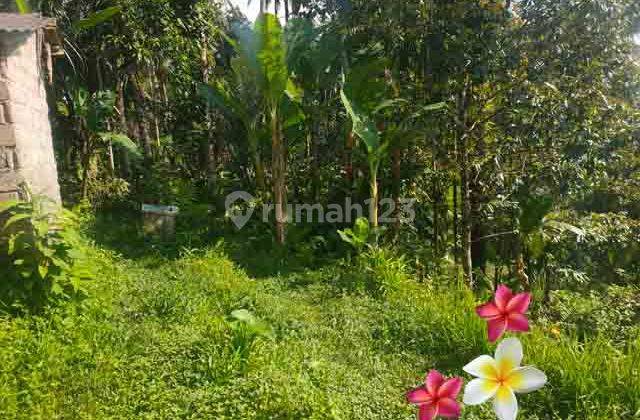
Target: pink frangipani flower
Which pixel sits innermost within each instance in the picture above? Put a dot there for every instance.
(505, 312)
(437, 397)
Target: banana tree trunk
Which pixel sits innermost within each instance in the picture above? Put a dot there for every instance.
(348, 159)
(396, 164)
(373, 206)
(279, 177)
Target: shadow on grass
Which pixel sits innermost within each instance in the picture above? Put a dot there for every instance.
(252, 248)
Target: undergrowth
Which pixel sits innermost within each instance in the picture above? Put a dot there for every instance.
(160, 338)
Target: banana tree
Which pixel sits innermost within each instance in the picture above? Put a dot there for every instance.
(89, 114)
(378, 144)
(278, 91)
(365, 128)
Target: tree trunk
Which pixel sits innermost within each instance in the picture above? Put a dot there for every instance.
(123, 126)
(257, 162)
(315, 160)
(279, 177)
(373, 206)
(436, 202)
(86, 161)
(396, 164)
(519, 264)
(141, 115)
(464, 163)
(456, 255)
(467, 262)
(348, 159)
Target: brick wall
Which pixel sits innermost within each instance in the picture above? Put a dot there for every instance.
(9, 178)
(26, 153)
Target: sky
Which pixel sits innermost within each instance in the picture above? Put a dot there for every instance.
(250, 11)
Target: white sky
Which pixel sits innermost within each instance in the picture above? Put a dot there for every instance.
(251, 11)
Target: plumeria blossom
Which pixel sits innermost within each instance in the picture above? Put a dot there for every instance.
(500, 378)
(437, 397)
(505, 312)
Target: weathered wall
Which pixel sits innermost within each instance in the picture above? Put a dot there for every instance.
(8, 177)
(26, 146)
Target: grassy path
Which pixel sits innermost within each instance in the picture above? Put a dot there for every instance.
(156, 341)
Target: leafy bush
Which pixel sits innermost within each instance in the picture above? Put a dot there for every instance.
(39, 255)
(377, 271)
(613, 313)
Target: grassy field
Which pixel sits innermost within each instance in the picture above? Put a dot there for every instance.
(157, 339)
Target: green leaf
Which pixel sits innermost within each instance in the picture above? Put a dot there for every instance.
(23, 6)
(56, 289)
(434, 107)
(15, 218)
(122, 141)
(361, 228)
(43, 270)
(362, 126)
(272, 57)
(390, 103)
(11, 245)
(7, 205)
(243, 315)
(294, 92)
(98, 17)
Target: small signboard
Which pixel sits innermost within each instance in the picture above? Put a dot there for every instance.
(159, 221)
(156, 209)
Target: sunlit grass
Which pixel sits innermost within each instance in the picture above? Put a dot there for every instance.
(155, 341)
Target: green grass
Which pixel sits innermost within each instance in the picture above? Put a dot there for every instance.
(156, 341)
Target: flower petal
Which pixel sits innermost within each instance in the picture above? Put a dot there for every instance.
(527, 379)
(427, 412)
(503, 296)
(448, 407)
(419, 396)
(495, 328)
(434, 381)
(450, 389)
(508, 355)
(517, 322)
(479, 390)
(505, 404)
(483, 367)
(519, 303)
(488, 310)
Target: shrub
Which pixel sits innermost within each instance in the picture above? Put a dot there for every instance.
(377, 271)
(40, 257)
(613, 312)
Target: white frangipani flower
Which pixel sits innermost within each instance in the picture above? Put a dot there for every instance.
(500, 378)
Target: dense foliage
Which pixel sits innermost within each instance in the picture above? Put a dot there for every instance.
(513, 126)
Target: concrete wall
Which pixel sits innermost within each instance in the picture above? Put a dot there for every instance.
(26, 145)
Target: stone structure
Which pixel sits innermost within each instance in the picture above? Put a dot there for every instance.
(27, 162)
